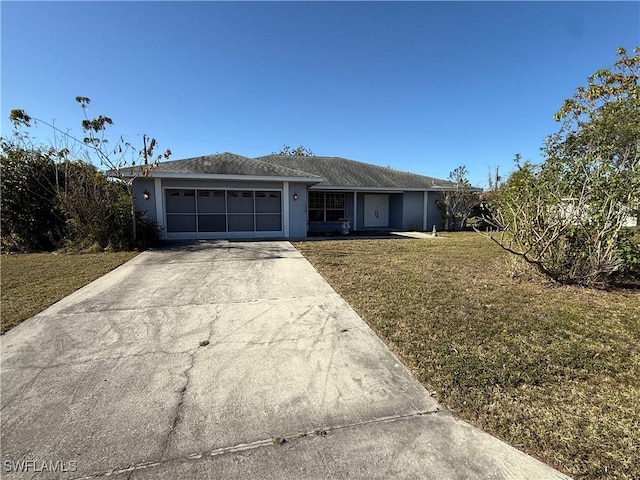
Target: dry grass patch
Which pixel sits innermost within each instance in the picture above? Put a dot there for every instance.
(31, 282)
(552, 370)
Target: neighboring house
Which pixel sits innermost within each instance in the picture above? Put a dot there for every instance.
(631, 221)
(229, 196)
(575, 213)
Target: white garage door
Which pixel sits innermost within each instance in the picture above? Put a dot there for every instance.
(204, 213)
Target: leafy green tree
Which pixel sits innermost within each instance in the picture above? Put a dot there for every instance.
(300, 151)
(567, 216)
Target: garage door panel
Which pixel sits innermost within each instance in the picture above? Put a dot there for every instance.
(241, 223)
(240, 201)
(212, 223)
(268, 202)
(181, 201)
(211, 201)
(181, 223)
(268, 223)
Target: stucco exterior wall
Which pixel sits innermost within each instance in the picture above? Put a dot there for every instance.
(298, 211)
(176, 183)
(412, 210)
(360, 211)
(148, 207)
(395, 210)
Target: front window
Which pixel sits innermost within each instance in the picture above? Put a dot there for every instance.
(326, 207)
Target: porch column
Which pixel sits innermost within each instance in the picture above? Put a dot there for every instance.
(157, 187)
(354, 226)
(285, 209)
(425, 227)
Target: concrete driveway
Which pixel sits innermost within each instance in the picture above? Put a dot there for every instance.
(198, 361)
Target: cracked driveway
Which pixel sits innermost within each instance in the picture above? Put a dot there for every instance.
(187, 362)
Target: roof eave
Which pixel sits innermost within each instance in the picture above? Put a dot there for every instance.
(351, 188)
(218, 176)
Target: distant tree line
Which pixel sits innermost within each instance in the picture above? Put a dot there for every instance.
(299, 151)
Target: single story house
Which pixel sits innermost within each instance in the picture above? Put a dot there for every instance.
(230, 196)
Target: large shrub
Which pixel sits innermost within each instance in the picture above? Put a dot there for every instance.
(94, 206)
(49, 204)
(30, 215)
(572, 237)
(568, 215)
(96, 209)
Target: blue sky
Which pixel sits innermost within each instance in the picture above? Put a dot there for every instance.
(418, 86)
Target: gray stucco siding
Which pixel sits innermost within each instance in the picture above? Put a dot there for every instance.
(325, 227)
(298, 210)
(395, 210)
(222, 184)
(148, 207)
(348, 207)
(359, 216)
(413, 210)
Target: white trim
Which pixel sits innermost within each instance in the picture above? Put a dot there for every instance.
(425, 207)
(222, 235)
(285, 209)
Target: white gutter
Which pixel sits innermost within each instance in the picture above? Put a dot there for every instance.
(390, 189)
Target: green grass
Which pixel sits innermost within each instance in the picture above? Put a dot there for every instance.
(31, 282)
(552, 370)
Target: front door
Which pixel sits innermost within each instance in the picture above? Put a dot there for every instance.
(376, 211)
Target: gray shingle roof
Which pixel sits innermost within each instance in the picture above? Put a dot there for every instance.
(336, 171)
(341, 172)
(226, 164)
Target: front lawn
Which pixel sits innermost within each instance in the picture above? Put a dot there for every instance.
(552, 370)
(31, 282)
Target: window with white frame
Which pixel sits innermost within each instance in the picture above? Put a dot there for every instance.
(326, 206)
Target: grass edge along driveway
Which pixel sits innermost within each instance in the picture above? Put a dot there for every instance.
(552, 370)
(31, 282)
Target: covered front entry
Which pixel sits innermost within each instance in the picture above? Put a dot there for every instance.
(221, 213)
(376, 210)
